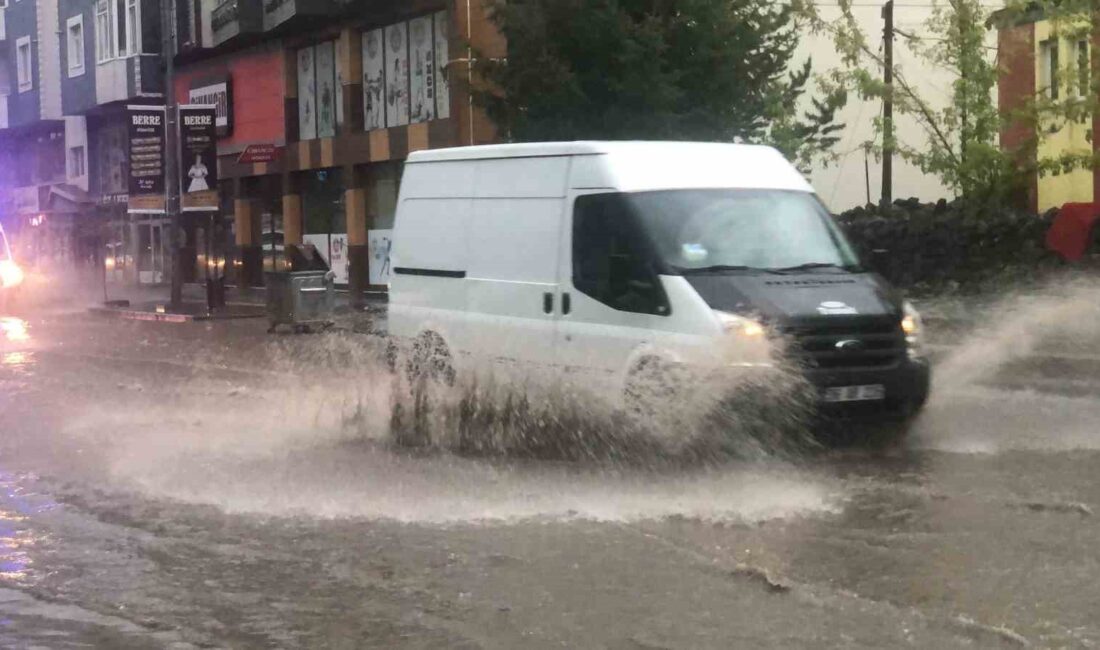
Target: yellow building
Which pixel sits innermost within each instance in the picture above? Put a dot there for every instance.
(1046, 60)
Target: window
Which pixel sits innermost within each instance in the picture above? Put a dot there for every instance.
(1049, 68)
(120, 27)
(75, 43)
(24, 63)
(1083, 65)
(76, 162)
(133, 26)
(611, 261)
(104, 35)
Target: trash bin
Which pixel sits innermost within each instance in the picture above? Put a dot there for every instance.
(215, 293)
(301, 299)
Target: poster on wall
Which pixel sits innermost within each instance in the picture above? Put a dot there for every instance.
(326, 89)
(307, 94)
(146, 182)
(198, 158)
(442, 57)
(334, 250)
(421, 70)
(374, 105)
(397, 74)
(380, 242)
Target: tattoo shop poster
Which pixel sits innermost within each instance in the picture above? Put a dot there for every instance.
(374, 105)
(422, 70)
(307, 94)
(397, 74)
(442, 57)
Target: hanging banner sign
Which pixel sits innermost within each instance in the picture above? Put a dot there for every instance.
(198, 158)
(147, 135)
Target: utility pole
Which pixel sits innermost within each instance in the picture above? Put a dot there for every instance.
(171, 153)
(888, 106)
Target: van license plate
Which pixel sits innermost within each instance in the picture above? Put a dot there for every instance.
(870, 393)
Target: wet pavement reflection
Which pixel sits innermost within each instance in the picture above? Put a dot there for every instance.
(200, 487)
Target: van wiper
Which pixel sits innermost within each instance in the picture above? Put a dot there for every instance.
(721, 268)
(809, 266)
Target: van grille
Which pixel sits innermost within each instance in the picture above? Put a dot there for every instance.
(875, 344)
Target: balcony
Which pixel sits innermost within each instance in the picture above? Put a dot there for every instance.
(233, 18)
(280, 13)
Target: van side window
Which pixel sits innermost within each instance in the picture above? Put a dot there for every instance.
(610, 260)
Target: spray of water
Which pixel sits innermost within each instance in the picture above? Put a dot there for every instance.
(327, 446)
(1055, 326)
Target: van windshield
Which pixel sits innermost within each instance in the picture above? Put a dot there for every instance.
(730, 230)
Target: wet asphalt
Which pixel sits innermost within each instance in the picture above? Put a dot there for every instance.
(210, 486)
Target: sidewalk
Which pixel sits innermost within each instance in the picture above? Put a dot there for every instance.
(151, 304)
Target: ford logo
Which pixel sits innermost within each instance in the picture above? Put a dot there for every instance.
(850, 345)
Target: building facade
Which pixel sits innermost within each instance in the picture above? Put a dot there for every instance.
(319, 103)
(1041, 58)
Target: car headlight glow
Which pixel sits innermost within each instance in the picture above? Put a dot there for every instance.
(740, 325)
(913, 328)
(10, 274)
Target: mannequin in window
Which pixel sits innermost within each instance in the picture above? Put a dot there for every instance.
(198, 174)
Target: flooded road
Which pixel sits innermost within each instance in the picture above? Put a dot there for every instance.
(182, 486)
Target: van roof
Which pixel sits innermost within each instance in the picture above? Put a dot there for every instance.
(582, 148)
(640, 166)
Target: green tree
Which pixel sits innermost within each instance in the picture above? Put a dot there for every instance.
(961, 138)
(717, 70)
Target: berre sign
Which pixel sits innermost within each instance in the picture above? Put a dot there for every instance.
(199, 156)
(146, 181)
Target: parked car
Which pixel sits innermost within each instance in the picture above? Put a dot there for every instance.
(617, 258)
(11, 275)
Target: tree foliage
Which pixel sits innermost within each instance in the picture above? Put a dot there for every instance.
(717, 70)
(960, 140)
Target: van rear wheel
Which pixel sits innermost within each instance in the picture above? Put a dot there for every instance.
(430, 360)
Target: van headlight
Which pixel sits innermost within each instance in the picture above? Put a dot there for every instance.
(10, 274)
(913, 327)
(744, 327)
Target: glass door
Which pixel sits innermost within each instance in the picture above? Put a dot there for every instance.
(151, 254)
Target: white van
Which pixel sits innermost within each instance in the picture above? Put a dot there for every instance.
(612, 256)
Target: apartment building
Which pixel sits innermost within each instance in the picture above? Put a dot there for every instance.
(1041, 57)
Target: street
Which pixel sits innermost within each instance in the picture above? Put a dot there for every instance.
(208, 485)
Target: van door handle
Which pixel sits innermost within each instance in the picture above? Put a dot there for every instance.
(548, 303)
(566, 303)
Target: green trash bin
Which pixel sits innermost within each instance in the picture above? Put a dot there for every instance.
(300, 299)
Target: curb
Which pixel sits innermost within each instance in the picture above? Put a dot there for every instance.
(153, 317)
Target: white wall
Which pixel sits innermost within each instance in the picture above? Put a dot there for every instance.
(843, 184)
(49, 60)
(76, 135)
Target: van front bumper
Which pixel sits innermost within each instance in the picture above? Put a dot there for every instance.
(906, 385)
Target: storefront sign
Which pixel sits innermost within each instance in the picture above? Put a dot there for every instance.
(199, 159)
(218, 93)
(380, 242)
(334, 250)
(146, 135)
(259, 153)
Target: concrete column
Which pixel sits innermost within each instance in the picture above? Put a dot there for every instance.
(349, 60)
(355, 201)
(250, 254)
(474, 32)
